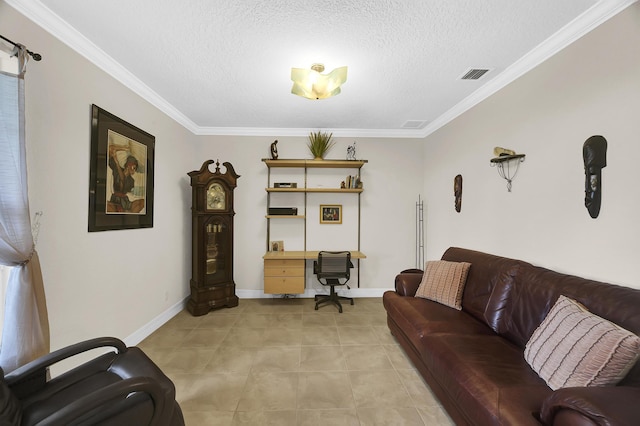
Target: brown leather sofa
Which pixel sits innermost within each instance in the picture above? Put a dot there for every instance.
(473, 359)
(120, 387)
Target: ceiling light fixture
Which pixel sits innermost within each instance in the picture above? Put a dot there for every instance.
(311, 84)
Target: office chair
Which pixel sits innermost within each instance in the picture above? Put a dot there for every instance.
(332, 269)
(121, 387)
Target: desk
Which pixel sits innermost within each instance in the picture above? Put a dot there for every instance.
(284, 271)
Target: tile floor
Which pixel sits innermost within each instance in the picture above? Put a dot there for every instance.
(280, 362)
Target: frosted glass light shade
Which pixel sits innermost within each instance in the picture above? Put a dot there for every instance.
(311, 84)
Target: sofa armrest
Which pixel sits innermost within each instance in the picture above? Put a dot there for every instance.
(607, 405)
(408, 281)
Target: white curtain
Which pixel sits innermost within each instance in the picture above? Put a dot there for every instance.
(25, 333)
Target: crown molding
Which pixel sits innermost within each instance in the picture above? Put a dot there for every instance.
(49, 21)
(283, 132)
(53, 24)
(583, 24)
(310, 293)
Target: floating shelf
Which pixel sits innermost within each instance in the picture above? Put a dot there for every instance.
(328, 190)
(503, 164)
(504, 158)
(317, 164)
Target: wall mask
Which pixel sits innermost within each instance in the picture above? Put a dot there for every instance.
(594, 154)
(457, 192)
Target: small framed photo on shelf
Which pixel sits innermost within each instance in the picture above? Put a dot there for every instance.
(331, 213)
(276, 245)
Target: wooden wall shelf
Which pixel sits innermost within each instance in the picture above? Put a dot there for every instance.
(284, 272)
(328, 190)
(316, 164)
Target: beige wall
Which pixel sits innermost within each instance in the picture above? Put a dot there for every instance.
(590, 88)
(392, 183)
(104, 283)
(126, 283)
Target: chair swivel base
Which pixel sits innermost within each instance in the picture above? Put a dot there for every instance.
(331, 298)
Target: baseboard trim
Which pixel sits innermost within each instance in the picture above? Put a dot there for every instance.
(309, 293)
(146, 330)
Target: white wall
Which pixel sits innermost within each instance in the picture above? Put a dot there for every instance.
(590, 88)
(126, 283)
(104, 283)
(391, 186)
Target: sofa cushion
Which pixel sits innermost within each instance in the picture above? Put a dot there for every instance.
(536, 289)
(443, 282)
(502, 283)
(573, 347)
(480, 298)
(418, 318)
(486, 377)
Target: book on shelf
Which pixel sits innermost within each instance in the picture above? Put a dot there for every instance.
(353, 182)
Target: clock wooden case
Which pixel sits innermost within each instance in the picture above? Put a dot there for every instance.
(212, 284)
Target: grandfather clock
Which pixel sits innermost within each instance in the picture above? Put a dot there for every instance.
(212, 284)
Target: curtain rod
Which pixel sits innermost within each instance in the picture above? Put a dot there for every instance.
(35, 56)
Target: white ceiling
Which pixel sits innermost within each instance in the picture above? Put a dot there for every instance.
(223, 66)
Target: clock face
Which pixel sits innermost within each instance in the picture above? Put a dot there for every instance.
(216, 197)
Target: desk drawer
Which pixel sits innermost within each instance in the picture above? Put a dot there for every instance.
(284, 263)
(283, 285)
(284, 276)
(283, 271)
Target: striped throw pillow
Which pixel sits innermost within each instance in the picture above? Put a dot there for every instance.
(443, 282)
(573, 347)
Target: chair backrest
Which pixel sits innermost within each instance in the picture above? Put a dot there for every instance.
(333, 264)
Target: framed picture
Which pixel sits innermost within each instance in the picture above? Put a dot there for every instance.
(331, 213)
(120, 174)
(276, 246)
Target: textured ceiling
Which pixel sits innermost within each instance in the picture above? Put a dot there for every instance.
(222, 67)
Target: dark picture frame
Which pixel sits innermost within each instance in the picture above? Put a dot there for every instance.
(331, 213)
(121, 174)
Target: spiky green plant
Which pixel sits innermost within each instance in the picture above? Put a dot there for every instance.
(320, 143)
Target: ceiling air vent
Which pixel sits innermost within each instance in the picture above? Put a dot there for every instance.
(474, 74)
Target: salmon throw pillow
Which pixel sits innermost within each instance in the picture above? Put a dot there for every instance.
(444, 282)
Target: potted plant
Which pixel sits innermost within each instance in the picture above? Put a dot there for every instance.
(320, 143)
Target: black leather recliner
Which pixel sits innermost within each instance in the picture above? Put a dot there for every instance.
(120, 387)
